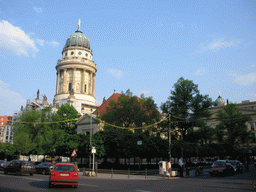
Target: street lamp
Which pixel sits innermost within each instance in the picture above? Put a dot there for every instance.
(90, 139)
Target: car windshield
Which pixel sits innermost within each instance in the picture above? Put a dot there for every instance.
(219, 164)
(27, 163)
(2, 161)
(68, 168)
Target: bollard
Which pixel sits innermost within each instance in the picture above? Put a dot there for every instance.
(96, 172)
(111, 172)
(145, 173)
(128, 173)
(83, 171)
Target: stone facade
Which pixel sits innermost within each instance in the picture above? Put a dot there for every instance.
(76, 73)
(246, 107)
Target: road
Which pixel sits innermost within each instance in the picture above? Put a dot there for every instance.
(240, 183)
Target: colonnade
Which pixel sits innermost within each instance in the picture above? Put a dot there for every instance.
(62, 85)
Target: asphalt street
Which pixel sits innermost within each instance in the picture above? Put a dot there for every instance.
(241, 182)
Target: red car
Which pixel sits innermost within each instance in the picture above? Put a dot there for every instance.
(64, 174)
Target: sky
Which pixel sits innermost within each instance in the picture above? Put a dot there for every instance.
(142, 45)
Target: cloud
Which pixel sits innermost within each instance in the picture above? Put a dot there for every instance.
(10, 101)
(40, 42)
(200, 72)
(38, 9)
(246, 79)
(14, 40)
(53, 44)
(117, 73)
(217, 45)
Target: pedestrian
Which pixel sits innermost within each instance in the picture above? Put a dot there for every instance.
(169, 168)
(181, 166)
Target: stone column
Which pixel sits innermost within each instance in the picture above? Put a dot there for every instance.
(65, 88)
(90, 88)
(83, 80)
(58, 79)
(74, 80)
(93, 89)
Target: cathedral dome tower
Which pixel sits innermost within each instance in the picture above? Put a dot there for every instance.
(76, 73)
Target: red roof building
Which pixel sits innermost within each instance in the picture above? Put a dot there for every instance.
(101, 109)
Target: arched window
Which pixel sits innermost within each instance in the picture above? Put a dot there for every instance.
(69, 86)
(85, 88)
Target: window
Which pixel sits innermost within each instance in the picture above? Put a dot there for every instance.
(66, 54)
(2, 119)
(85, 88)
(2, 123)
(6, 137)
(7, 132)
(79, 53)
(86, 54)
(72, 53)
(69, 86)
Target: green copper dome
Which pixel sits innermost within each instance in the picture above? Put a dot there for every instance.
(220, 102)
(77, 39)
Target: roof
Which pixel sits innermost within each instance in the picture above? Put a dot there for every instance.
(101, 109)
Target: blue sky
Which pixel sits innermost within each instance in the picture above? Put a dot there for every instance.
(144, 46)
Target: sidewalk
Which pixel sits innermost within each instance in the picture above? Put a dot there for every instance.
(139, 177)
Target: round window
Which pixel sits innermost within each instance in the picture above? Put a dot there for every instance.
(79, 53)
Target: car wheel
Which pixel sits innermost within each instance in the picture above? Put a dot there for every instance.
(31, 174)
(50, 185)
(75, 186)
(5, 172)
(43, 172)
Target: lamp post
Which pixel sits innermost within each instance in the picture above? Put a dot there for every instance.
(5, 154)
(90, 139)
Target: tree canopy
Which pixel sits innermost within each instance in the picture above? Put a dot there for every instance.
(187, 106)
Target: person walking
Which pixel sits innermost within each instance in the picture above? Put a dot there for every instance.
(169, 168)
(181, 166)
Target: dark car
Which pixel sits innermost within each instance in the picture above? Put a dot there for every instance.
(3, 164)
(239, 168)
(44, 168)
(64, 174)
(221, 167)
(20, 167)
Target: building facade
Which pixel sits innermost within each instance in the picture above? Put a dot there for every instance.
(4, 121)
(76, 73)
(246, 107)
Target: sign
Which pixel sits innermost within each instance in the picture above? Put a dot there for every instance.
(139, 142)
(93, 150)
(74, 153)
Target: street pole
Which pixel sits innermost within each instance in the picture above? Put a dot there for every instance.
(170, 139)
(90, 140)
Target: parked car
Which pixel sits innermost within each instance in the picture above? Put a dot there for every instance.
(221, 167)
(44, 168)
(64, 174)
(20, 167)
(238, 165)
(3, 164)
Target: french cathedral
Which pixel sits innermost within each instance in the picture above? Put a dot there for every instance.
(76, 73)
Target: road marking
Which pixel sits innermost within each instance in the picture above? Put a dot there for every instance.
(88, 185)
(142, 190)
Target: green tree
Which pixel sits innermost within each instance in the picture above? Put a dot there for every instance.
(32, 131)
(232, 128)
(187, 106)
(65, 137)
(131, 111)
